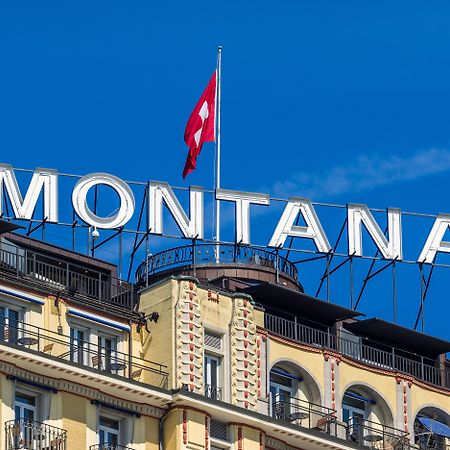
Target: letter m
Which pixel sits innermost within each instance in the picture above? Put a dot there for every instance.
(45, 179)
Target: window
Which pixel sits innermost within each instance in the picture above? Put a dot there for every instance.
(281, 392)
(25, 407)
(212, 379)
(79, 342)
(354, 413)
(108, 431)
(107, 352)
(10, 323)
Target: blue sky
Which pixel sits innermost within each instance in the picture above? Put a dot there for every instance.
(337, 101)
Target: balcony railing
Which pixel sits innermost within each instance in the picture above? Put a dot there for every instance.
(204, 254)
(87, 354)
(418, 366)
(305, 414)
(319, 418)
(109, 447)
(60, 275)
(214, 392)
(25, 434)
(371, 434)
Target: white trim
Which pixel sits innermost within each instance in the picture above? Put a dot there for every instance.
(21, 295)
(98, 319)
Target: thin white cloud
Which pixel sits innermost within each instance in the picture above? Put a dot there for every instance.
(365, 173)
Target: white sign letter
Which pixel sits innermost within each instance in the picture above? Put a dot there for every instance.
(190, 227)
(313, 229)
(126, 198)
(434, 241)
(24, 208)
(360, 214)
(243, 201)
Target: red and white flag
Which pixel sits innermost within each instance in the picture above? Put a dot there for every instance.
(201, 125)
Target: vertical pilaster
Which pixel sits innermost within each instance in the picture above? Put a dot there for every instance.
(244, 355)
(189, 342)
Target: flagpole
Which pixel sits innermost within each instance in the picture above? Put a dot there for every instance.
(218, 98)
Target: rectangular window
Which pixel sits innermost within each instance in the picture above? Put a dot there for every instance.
(79, 345)
(108, 431)
(211, 376)
(107, 352)
(9, 324)
(25, 407)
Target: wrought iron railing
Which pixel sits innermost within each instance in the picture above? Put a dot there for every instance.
(305, 414)
(376, 435)
(60, 275)
(109, 447)
(87, 354)
(208, 254)
(214, 392)
(26, 434)
(393, 359)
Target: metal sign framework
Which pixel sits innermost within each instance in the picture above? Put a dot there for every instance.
(333, 262)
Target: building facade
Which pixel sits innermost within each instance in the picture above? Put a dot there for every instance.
(211, 348)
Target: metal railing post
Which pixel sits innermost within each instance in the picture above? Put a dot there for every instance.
(17, 262)
(67, 276)
(422, 368)
(193, 257)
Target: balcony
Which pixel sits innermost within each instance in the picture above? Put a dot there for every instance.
(214, 392)
(211, 261)
(370, 353)
(370, 434)
(306, 414)
(60, 275)
(25, 434)
(85, 354)
(109, 447)
(324, 420)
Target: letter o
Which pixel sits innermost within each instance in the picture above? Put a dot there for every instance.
(126, 197)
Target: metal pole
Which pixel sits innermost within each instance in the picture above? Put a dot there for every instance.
(394, 291)
(218, 99)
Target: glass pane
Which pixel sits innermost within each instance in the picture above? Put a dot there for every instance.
(113, 439)
(214, 377)
(109, 423)
(28, 414)
(25, 399)
(345, 414)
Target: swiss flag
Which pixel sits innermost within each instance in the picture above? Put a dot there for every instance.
(201, 125)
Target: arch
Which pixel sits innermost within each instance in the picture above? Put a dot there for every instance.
(309, 387)
(379, 412)
(424, 437)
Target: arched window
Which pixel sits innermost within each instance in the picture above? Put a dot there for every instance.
(432, 429)
(295, 397)
(369, 419)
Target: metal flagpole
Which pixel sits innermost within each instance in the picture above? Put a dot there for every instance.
(218, 95)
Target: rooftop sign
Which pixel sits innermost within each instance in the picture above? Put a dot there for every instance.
(191, 225)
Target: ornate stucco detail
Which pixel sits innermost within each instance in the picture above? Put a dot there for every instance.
(244, 355)
(403, 400)
(189, 332)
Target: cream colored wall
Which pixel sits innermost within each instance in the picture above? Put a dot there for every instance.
(172, 430)
(310, 362)
(159, 344)
(75, 420)
(422, 398)
(6, 401)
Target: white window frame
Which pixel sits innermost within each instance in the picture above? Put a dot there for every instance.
(108, 415)
(22, 311)
(94, 332)
(29, 393)
(86, 347)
